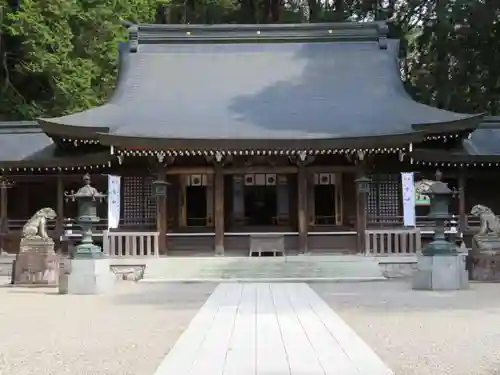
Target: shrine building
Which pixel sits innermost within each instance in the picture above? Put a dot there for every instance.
(298, 130)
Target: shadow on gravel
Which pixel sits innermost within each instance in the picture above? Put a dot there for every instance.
(171, 296)
(398, 296)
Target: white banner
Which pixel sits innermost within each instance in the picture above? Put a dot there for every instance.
(408, 186)
(114, 198)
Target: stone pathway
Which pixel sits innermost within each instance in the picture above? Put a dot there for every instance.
(269, 329)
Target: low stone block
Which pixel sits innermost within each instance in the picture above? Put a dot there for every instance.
(440, 272)
(90, 276)
(36, 263)
(128, 272)
(485, 266)
(486, 243)
(267, 243)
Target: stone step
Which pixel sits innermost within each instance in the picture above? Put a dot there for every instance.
(299, 267)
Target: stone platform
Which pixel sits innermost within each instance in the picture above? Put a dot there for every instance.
(441, 272)
(36, 263)
(485, 258)
(268, 269)
(87, 276)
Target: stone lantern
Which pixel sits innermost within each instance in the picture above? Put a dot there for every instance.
(160, 188)
(87, 198)
(89, 270)
(363, 184)
(440, 195)
(441, 266)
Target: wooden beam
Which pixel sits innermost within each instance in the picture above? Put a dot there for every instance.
(302, 207)
(190, 170)
(3, 202)
(60, 207)
(331, 168)
(182, 201)
(4, 227)
(462, 181)
(161, 212)
(361, 209)
(289, 169)
(219, 210)
(210, 201)
(311, 209)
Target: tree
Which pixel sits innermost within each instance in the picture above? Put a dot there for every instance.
(450, 56)
(60, 56)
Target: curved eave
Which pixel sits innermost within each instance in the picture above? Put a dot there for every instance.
(52, 128)
(470, 123)
(380, 141)
(94, 159)
(450, 157)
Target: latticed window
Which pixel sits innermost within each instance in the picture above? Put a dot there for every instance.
(138, 203)
(384, 198)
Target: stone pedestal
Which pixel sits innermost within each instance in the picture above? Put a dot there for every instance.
(485, 242)
(485, 258)
(89, 276)
(441, 272)
(36, 263)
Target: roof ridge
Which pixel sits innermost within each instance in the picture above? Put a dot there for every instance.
(232, 33)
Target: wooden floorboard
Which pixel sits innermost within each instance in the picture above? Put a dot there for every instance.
(241, 358)
(269, 329)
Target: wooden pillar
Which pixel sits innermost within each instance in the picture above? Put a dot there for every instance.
(219, 210)
(60, 207)
(161, 212)
(3, 203)
(361, 210)
(302, 207)
(210, 200)
(462, 181)
(4, 228)
(182, 200)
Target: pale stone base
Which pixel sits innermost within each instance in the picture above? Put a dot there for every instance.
(36, 263)
(90, 276)
(440, 272)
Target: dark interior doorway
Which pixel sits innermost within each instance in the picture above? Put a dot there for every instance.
(324, 204)
(260, 205)
(196, 206)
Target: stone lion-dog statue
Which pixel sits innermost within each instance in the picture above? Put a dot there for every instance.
(36, 227)
(489, 222)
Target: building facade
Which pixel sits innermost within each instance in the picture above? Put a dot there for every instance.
(257, 129)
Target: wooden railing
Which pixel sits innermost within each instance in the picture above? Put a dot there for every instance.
(382, 222)
(131, 244)
(392, 241)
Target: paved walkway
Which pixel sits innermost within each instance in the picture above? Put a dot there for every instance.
(269, 329)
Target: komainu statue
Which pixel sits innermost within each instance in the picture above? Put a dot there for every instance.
(36, 227)
(490, 224)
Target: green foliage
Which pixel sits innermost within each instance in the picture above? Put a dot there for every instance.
(451, 56)
(63, 53)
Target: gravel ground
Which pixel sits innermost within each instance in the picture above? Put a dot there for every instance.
(129, 332)
(126, 333)
(424, 333)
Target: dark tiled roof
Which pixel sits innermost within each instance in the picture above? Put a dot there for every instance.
(179, 88)
(486, 139)
(22, 140)
(483, 147)
(24, 144)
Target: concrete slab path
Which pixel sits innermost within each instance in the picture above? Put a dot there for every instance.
(269, 329)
